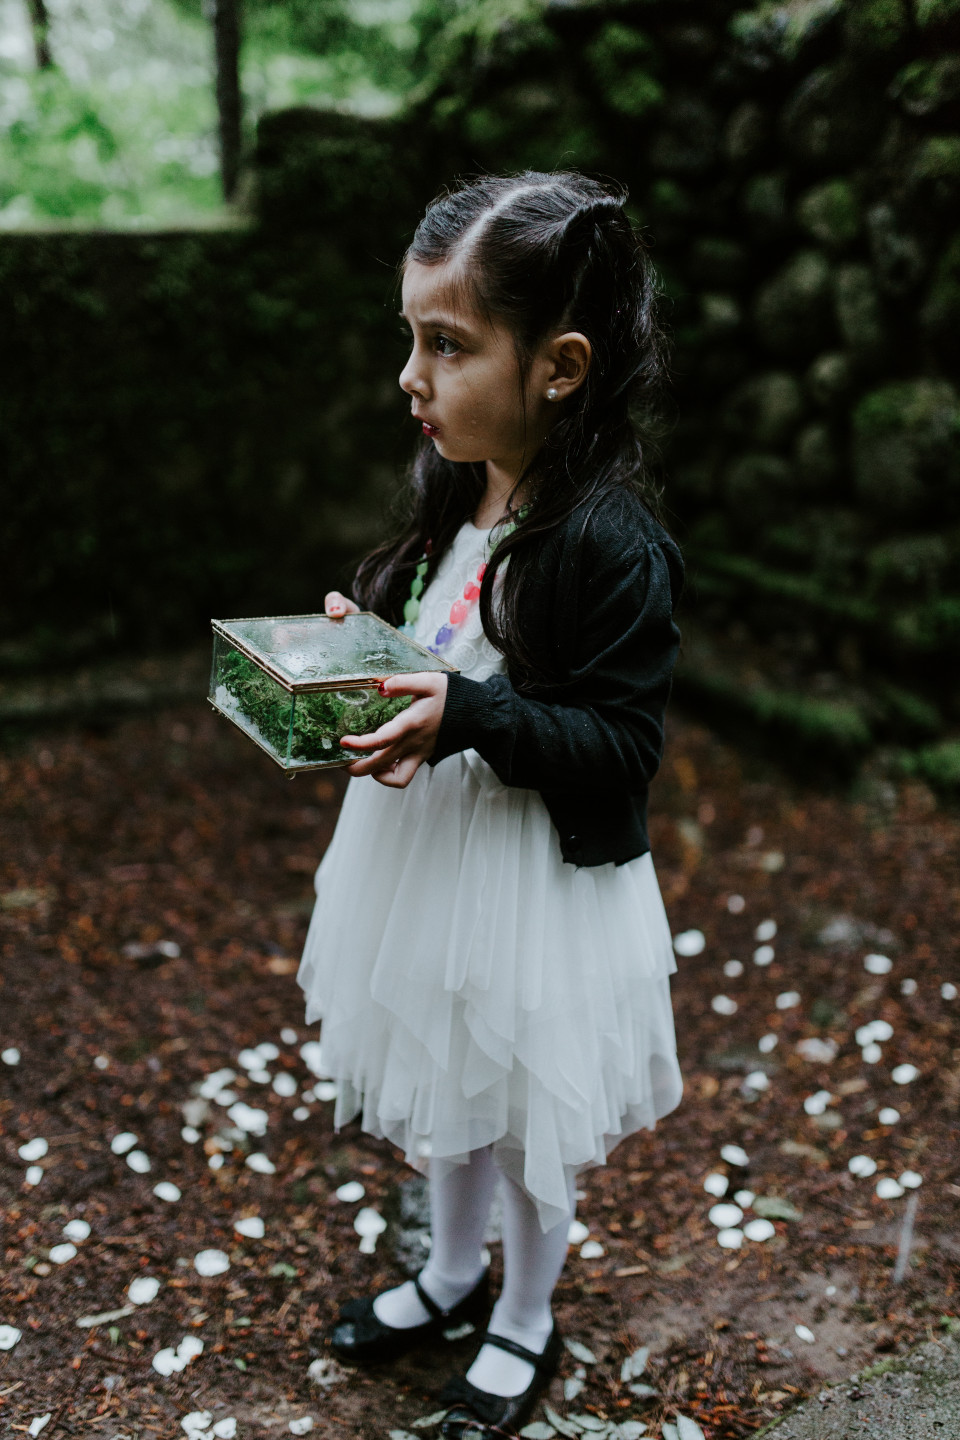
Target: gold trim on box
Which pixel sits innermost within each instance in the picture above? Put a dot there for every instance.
(307, 687)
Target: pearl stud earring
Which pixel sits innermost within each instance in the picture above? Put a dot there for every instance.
(553, 394)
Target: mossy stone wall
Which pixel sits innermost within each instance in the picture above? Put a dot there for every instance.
(210, 423)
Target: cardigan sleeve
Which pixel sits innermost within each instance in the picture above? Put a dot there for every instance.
(607, 732)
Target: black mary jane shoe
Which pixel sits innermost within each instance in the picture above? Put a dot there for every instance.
(359, 1338)
(476, 1412)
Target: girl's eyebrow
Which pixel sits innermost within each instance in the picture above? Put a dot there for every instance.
(438, 322)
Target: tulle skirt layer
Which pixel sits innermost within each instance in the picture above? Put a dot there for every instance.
(475, 989)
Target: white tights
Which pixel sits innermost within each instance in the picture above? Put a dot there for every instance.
(460, 1199)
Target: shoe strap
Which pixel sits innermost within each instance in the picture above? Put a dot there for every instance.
(538, 1361)
(435, 1310)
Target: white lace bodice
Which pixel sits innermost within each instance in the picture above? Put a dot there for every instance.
(470, 650)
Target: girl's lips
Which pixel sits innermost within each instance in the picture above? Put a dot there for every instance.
(430, 429)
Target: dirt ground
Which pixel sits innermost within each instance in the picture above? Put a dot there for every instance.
(154, 895)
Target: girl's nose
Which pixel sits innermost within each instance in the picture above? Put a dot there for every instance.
(412, 382)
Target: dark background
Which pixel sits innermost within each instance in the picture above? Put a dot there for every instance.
(207, 422)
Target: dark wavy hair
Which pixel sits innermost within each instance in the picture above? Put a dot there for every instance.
(544, 253)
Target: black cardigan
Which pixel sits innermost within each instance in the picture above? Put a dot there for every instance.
(602, 616)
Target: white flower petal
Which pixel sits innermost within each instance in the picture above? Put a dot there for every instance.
(284, 1084)
(288, 1035)
(787, 999)
(328, 1090)
(803, 1333)
(723, 1005)
(725, 1216)
(33, 1149)
(766, 930)
(904, 1074)
(757, 1080)
(165, 1361)
(733, 969)
(369, 1222)
(591, 1250)
(60, 1254)
(38, 1423)
(877, 964)
(190, 1134)
(10, 1056)
(577, 1233)
(143, 1290)
(248, 1118)
(226, 1428)
(267, 1051)
(908, 987)
(166, 1190)
(862, 1165)
(689, 942)
(350, 1191)
(818, 1051)
(888, 1116)
(189, 1348)
(76, 1230)
(312, 1057)
(766, 1043)
(763, 956)
(734, 1155)
(261, 1163)
(716, 1184)
(635, 1364)
(211, 1262)
(138, 1161)
(910, 1179)
(301, 1426)
(34, 1174)
(9, 1336)
(745, 1198)
(736, 904)
(123, 1142)
(252, 1227)
(301, 1113)
(759, 1230)
(197, 1422)
(888, 1189)
(688, 1429)
(872, 1054)
(730, 1239)
(948, 990)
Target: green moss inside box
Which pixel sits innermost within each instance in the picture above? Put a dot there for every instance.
(297, 683)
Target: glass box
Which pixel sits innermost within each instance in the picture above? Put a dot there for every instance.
(296, 683)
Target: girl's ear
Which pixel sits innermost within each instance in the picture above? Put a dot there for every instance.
(567, 360)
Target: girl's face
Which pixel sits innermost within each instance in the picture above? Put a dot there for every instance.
(463, 377)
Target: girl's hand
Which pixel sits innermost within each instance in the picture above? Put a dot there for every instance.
(337, 605)
(400, 746)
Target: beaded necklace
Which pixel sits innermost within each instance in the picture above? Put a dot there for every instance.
(461, 607)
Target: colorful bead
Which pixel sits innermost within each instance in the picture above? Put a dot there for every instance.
(460, 608)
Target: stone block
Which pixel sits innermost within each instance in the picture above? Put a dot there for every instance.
(829, 379)
(816, 461)
(859, 315)
(766, 409)
(792, 310)
(906, 460)
(830, 213)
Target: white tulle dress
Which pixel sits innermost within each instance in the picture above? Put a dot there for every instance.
(473, 987)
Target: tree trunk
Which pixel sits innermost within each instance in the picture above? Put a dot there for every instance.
(40, 24)
(226, 38)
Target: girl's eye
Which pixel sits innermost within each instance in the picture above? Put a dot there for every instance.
(446, 346)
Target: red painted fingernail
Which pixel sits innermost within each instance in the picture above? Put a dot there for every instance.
(381, 686)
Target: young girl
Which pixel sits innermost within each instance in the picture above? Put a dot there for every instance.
(489, 951)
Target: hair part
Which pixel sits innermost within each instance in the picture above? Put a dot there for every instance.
(540, 253)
